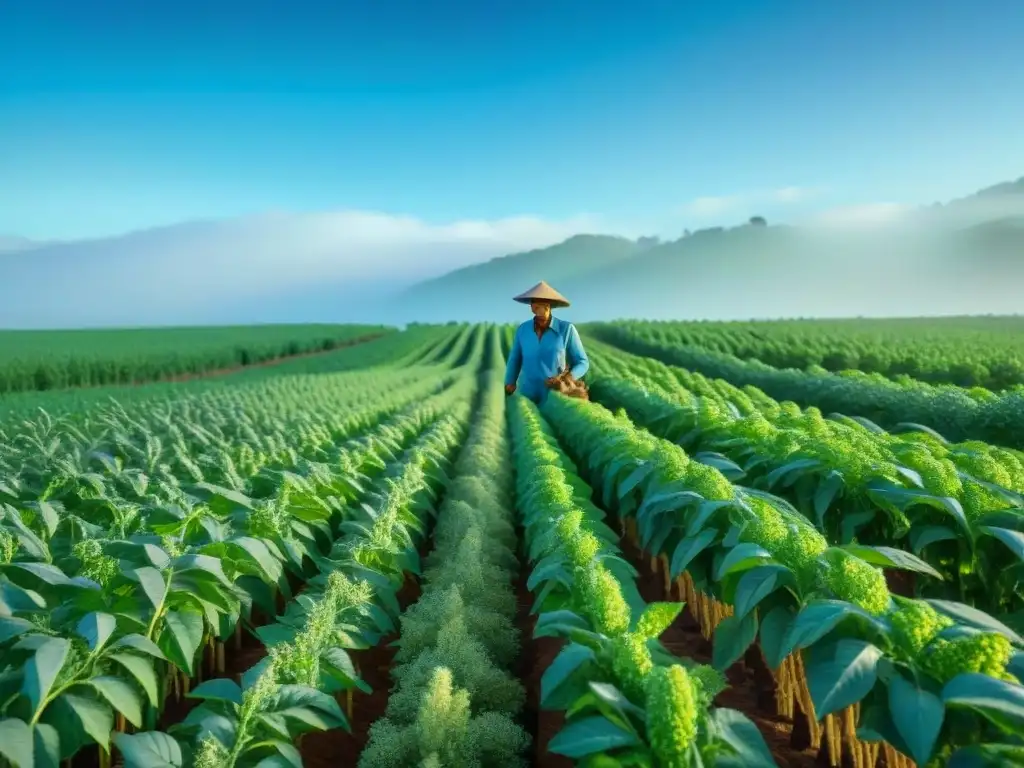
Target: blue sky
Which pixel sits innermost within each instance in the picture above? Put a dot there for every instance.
(645, 116)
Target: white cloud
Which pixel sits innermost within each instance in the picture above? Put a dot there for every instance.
(711, 206)
(179, 271)
(705, 207)
(862, 215)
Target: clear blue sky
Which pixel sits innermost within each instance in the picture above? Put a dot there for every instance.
(123, 114)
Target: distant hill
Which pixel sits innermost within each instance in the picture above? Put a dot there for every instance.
(966, 257)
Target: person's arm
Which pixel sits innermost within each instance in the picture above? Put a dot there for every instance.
(515, 362)
(577, 355)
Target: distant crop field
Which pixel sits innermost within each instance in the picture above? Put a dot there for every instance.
(966, 351)
(42, 360)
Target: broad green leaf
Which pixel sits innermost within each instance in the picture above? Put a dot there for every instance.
(841, 674)
(46, 740)
(181, 638)
(96, 628)
(1014, 540)
(687, 549)
(998, 701)
(774, 628)
(568, 660)
(42, 669)
(16, 743)
(590, 736)
(972, 617)
(153, 585)
(95, 717)
(149, 750)
(731, 640)
(820, 617)
(742, 557)
(736, 730)
(220, 689)
(12, 626)
(142, 670)
(755, 585)
(917, 715)
(139, 643)
(888, 557)
(121, 696)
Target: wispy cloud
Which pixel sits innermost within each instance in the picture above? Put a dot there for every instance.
(862, 215)
(711, 206)
(176, 273)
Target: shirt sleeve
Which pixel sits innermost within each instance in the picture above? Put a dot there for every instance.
(515, 361)
(577, 355)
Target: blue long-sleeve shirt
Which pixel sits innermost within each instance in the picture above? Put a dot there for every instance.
(533, 360)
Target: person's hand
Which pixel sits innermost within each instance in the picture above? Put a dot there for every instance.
(510, 388)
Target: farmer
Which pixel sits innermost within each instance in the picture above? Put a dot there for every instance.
(542, 345)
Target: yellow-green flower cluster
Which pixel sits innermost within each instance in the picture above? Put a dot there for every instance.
(850, 578)
(95, 565)
(985, 653)
(915, 624)
(671, 705)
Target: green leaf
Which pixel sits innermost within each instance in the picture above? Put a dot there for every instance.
(736, 730)
(149, 750)
(1014, 540)
(590, 736)
(153, 585)
(96, 628)
(181, 637)
(142, 670)
(755, 585)
(774, 628)
(921, 537)
(687, 549)
(95, 717)
(46, 740)
(826, 493)
(888, 557)
(568, 660)
(11, 627)
(817, 619)
(841, 674)
(742, 557)
(220, 689)
(998, 701)
(972, 617)
(139, 643)
(656, 618)
(731, 639)
(917, 715)
(16, 743)
(121, 696)
(42, 669)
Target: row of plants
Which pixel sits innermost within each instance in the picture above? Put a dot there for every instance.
(81, 405)
(955, 412)
(41, 360)
(626, 699)
(965, 351)
(866, 675)
(308, 677)
(181, 575)
(958, 506)
(455, 702)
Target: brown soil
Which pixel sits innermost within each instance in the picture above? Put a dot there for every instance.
(751, 688)
(537, 655)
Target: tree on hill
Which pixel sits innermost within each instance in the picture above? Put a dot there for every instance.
(758, 221)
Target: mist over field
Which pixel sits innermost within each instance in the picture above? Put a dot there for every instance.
(965, 257)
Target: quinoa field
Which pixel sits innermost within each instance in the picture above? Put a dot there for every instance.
(792, 546)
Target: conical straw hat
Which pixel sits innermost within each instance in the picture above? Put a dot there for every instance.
(543, 292)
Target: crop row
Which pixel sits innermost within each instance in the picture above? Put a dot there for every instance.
(965, 351)
(43, 360)
(178, 562)
(862, 672)
(957, 413)
(627, 700)
(454, 701)
(959, 506)
(349, 604)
